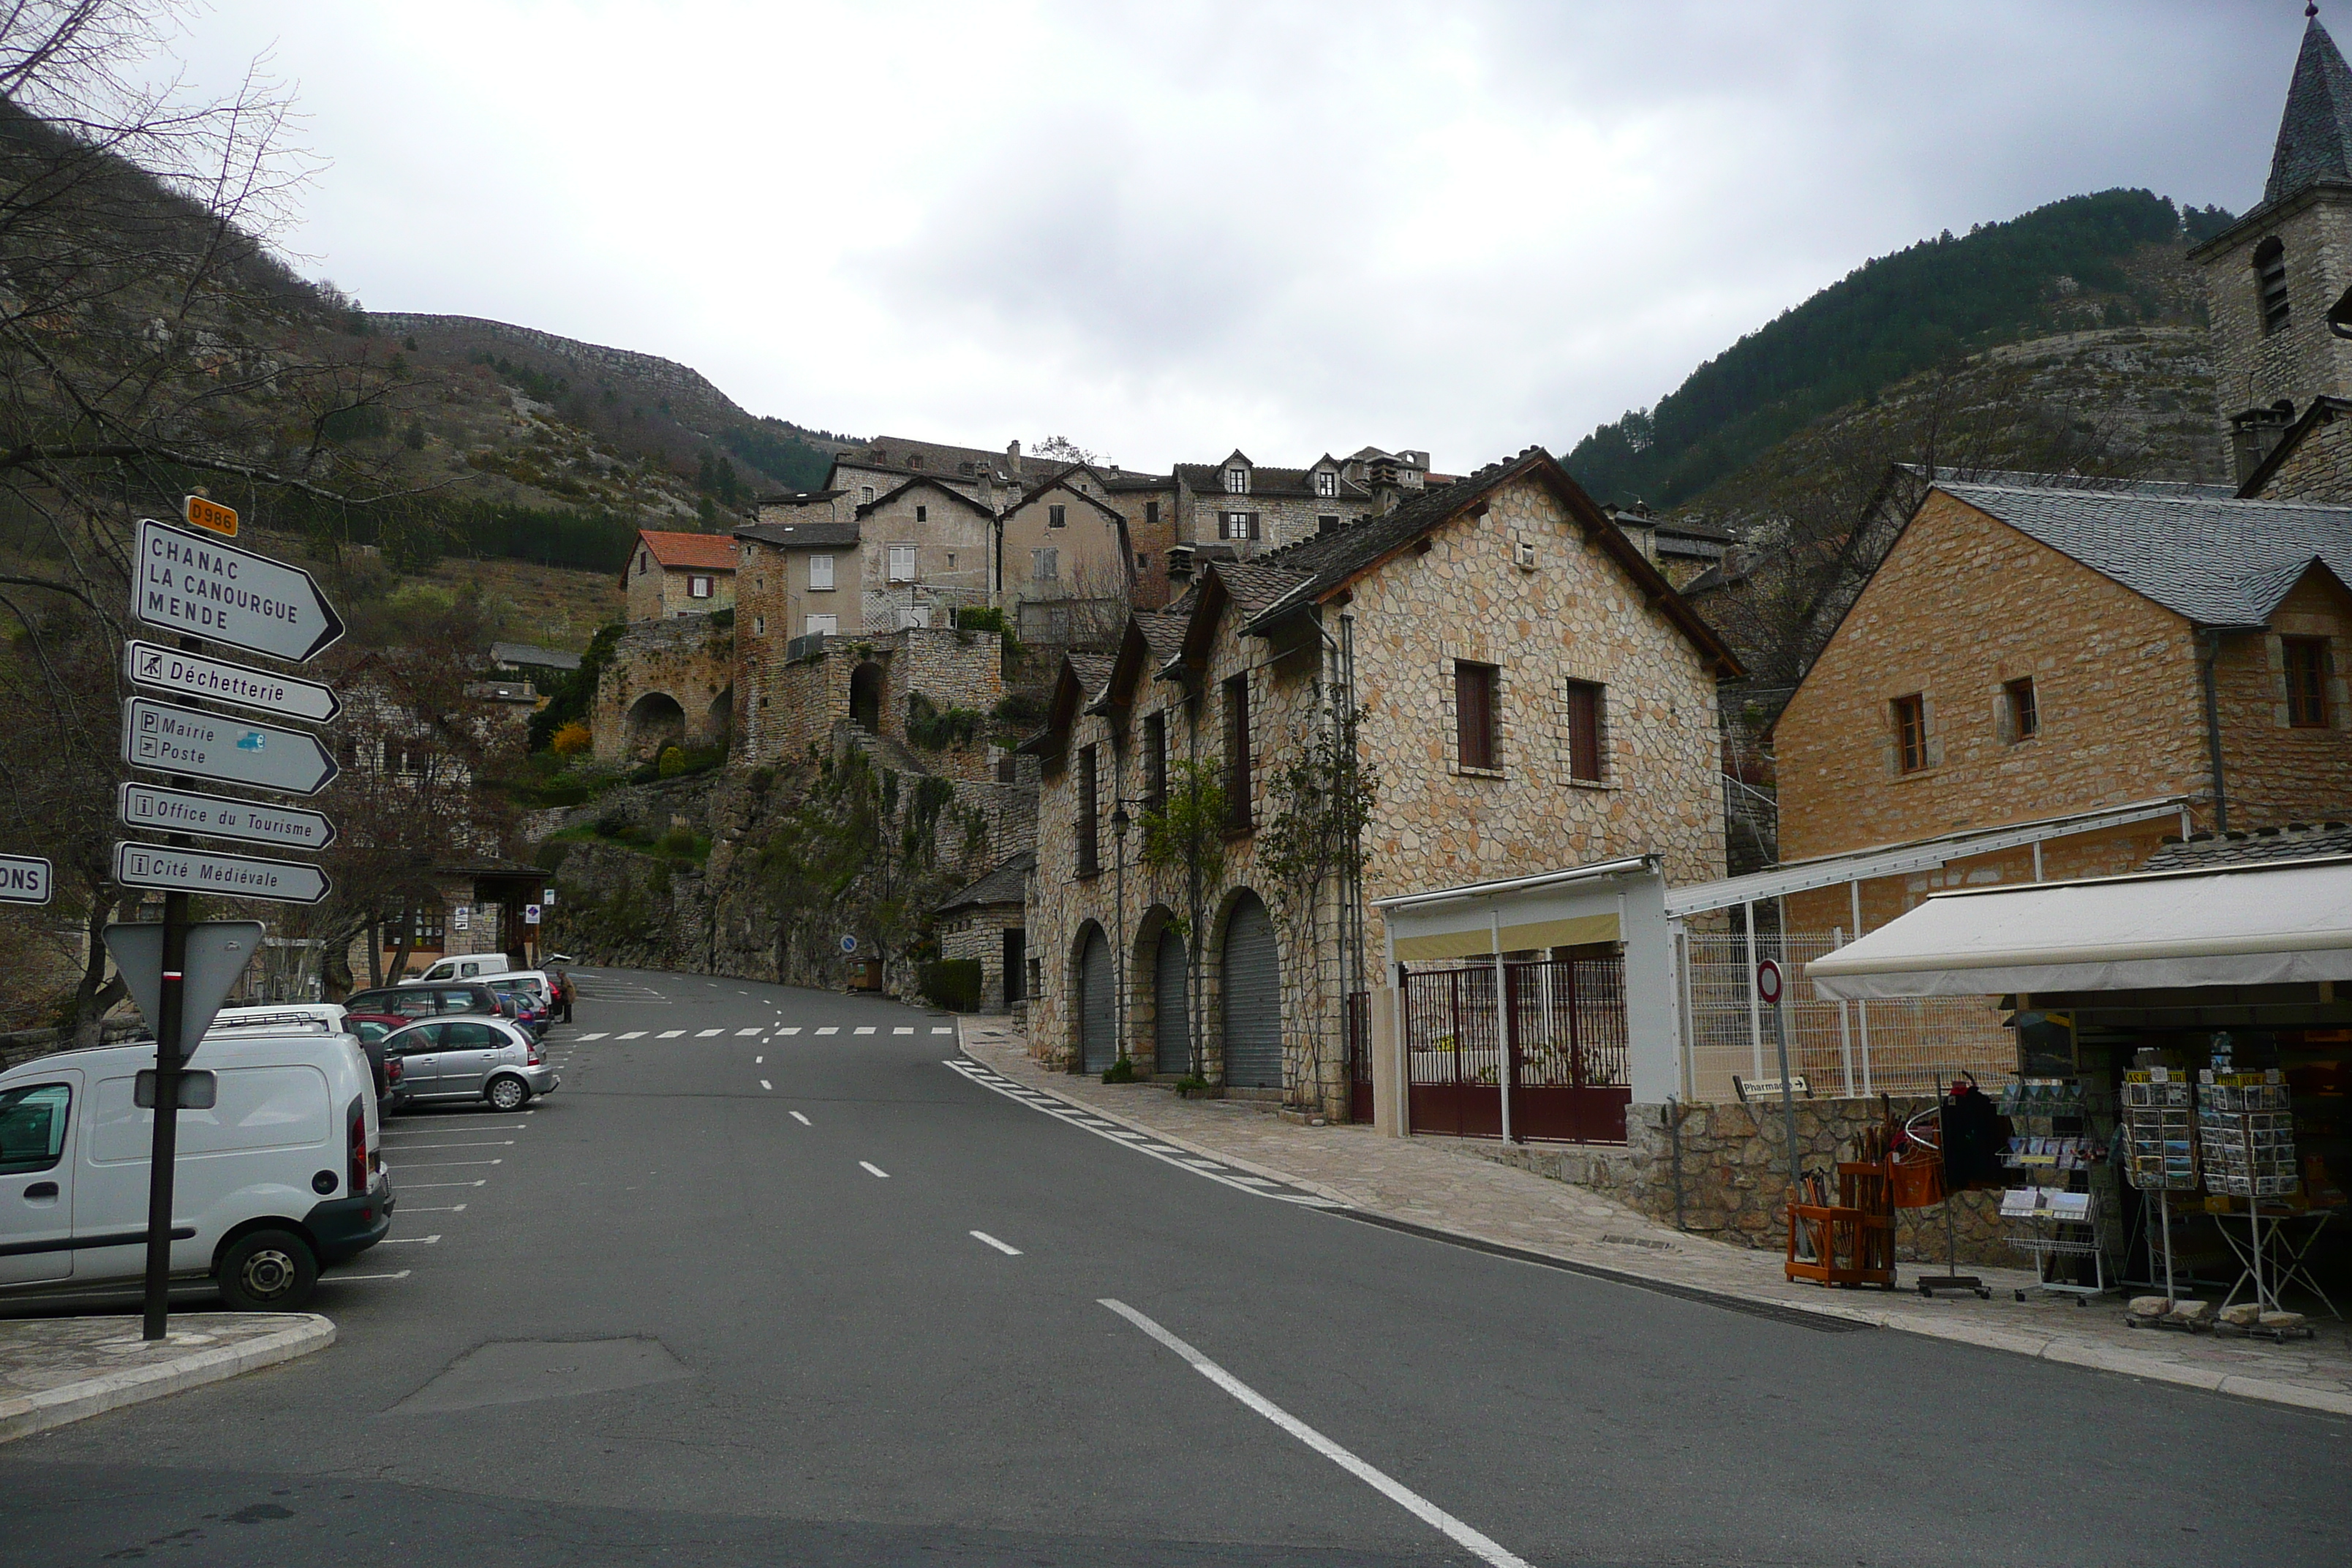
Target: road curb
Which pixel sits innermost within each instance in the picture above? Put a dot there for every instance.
(2040, 1347)
(21, 1415)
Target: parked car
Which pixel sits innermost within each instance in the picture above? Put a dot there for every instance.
(425, 1001)
(449, 1060)
(369, 1029)
(527, 1010)
(490, 969)
(280, 1171)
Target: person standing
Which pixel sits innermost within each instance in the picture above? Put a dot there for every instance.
(565, 994)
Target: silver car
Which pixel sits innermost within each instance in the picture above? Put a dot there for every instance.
(447, 1059)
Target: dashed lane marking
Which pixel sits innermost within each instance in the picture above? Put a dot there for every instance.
(793, 1030)
(802, 1120)
(759, 1061)
(741, 1033)
(904, 1029)
(1181, 1159)
(1479, 1545)
(864, 1028)
(766, 1084)
(634, 1035)
(875, 1170)
(830, 1029)
(669, 1034)
(597, 1035)
(1008, 1251)
(706, 1034)
(942, 1029)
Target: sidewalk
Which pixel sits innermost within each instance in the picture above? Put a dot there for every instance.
(1438, 1183)
(55, 1370)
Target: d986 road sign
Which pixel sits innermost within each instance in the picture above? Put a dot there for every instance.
(177, 871)
(168, 740)
(192, 583)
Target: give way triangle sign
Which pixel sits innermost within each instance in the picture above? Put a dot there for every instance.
(218, 952)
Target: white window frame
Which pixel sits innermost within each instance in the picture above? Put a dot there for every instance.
(1327, 483)
(895, 574)
(697, 586)
(1237, 481)
(820, 573)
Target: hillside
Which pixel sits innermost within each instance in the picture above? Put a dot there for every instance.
(2088, 263)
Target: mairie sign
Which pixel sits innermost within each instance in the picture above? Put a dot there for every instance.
(217, 680)
(168, 740)
(194, 584)
(178, 871)
(158, 809)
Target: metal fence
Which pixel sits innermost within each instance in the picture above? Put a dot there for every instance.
(1566, 1041)
(1840, 1048)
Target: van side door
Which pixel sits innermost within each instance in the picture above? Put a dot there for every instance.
(36, 1173)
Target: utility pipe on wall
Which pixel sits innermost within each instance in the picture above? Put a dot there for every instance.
(2212, 640)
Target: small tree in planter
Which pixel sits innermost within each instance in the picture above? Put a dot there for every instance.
(1186, 833)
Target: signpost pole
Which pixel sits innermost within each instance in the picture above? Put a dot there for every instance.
(165, 1154)
(1769, 984)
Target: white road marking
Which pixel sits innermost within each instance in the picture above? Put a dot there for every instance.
(444, 1208)
(597, 1035)
(339, 1279)
(485, 1143)
(904, 1029)
(1182, 1160)
(634, 1035)
(1008, 1251)
(766, 1084)
(793, 1030)
(942, 1029)
(741, 1033)
(706, 1034)
(1396, 1491)
(759, 1061)
(450, 1164)
(669, 1034)
(410, 1240)
(865, 1029)
(829, 1029)
(875, 1169)
(802, 1120)
(420, 1186)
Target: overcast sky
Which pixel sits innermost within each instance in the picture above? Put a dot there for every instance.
(1164, 230)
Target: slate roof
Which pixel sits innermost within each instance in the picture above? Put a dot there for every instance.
(1007, 883)
(533, 656)
(1280, 484)
(893, 454)
(1257, 587)
(2315, 137)
(1163, 632)
(818, 533)
(2218, 562)
(1060, 479)
(1092, 671)
(2296, 841)
(699, 552)
(930, 482)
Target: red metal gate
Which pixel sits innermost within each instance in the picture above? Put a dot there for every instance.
(1570, 1078)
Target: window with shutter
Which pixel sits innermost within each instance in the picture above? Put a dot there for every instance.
(1474, 715)
(902, 563)
(1155, 761)
(1045, 565)
(1058, 517)
(1583, 731)
(1088, 846)
(1910, 715)
(1237, 753)
(2307, 682)
(820, 573)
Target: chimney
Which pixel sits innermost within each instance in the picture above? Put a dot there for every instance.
(2256, 433)
(1013, 460)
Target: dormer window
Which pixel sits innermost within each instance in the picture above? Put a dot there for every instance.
(1237, 481)
(1327, 483)
(2270, 284)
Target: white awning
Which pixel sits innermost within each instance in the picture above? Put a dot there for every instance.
(2273, 924)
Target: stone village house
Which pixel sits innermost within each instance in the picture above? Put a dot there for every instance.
(671, 574)
(1536, 695)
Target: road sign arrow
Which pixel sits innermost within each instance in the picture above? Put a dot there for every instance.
(25, 879)
(164, 738)
(216, 817)
(165, 668)
(195, 583)
(218, 952)
(178, 871)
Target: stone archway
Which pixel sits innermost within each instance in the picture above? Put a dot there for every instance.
(718, 718)
(865, 684)
(655, 720)
(1250, 997)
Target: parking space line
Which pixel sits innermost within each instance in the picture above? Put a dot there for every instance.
(485, 1143)
(1008, 1251)
(741, 1033)
(410, 1240)
(1412, 1502)
(339, 1279)
(443, 1208)
(420, 1186)
(706, 1034)
(802, 1120)
(450, 1164)
(873, 1169)
(865, 1029)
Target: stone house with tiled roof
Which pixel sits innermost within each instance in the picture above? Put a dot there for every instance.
(671, 574)
(1249, 510)
(983, 923)
(1534, 695)
(1064, 563)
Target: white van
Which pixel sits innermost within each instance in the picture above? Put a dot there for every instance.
(485, 967)
(280, 1170)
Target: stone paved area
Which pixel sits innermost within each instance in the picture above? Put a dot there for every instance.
(61, 1369)
(1437, 1183)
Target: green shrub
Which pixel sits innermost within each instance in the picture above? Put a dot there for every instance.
(952, 984)
(679, 841)
(673, 761)
(1120, 1071)
(935, 729)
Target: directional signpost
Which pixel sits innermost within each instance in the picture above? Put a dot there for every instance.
(218, 816)
(194, 584)
(25, 879)
(190, 583)
(161, 669)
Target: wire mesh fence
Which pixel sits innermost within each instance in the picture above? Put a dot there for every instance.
(1840, 1048)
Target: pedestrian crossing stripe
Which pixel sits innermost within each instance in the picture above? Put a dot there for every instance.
(670, 1033)
(597, 1035)
(830, 1029)
(634, 1035)
(793, 1030)
(942, 1029)
(740, 1034)
(864, 1028)
(706, 1034)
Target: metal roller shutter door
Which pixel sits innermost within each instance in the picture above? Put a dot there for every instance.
(1253, 1000)
(1098, 1031)
(1172, 1044)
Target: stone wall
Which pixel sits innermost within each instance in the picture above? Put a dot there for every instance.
(2253, 369)
(980, 933)
(2319, 468)
(2273, 771)
(690, 661)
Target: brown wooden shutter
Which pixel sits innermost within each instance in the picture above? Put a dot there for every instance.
(1584, 731)
(1237, 753)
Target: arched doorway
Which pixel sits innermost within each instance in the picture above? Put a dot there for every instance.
(865, 698)
(1251, 974)
(718, 718)
(1098, 1010)
(1172, 1028)
(655, 720)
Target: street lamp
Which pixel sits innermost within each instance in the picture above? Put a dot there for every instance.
(1119, 826)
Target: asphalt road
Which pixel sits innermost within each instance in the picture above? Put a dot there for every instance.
(721, 1301)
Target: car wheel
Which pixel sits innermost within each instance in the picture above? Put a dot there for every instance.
(268, 1271)
(507, 1094)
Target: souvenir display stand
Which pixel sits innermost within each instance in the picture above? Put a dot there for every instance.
(2245, 1128)
(1929, 1129)
(1852, 1241)
(2055, 1220)
(2160, 1133)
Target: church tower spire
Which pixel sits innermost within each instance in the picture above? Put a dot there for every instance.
(2314, 139)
